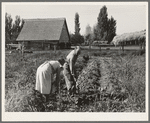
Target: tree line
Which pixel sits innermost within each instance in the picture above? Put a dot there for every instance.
(12, 29)
(104, 30)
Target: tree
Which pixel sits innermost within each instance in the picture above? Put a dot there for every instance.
(8, 26)
(76, 38)
(77, 24)
(72, 40)
(105, 30)
(111, 29)
(22, 23)
(102, 24)
(95, 33)
(12, 29)
(88, 30)
(17, 26)
(88, 34)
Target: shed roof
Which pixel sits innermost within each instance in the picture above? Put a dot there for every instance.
(42, 29)
(129, 37)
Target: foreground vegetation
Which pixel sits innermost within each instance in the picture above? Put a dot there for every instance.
(116, 83)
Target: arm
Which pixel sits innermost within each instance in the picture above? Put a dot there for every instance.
(72, 68)
(71, 65)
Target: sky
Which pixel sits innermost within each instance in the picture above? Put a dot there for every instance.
(130, 17)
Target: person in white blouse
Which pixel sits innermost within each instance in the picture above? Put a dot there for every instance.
(45, 74)
(69, 70)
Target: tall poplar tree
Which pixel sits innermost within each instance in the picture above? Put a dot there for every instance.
(102, 24)
(95, 33)
(77, 24)
(88, 34)
(76, 38)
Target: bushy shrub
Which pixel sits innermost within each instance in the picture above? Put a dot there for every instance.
(86, 57)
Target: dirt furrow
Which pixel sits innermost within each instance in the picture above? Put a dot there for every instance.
(105, 70)
(98, 77)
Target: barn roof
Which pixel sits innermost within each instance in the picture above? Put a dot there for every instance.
(42, 29)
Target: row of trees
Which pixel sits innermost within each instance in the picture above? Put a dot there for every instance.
(12, 29)
(104, 30)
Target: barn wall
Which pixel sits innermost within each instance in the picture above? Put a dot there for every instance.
(38, 45)
(31, 44)
(64, 35)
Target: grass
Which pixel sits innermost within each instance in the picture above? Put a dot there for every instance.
(121, 84)
(129, 73)
(126, 70)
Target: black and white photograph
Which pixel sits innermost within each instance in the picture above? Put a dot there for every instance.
(75, 61)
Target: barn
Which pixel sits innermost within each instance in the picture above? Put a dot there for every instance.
(44, 33)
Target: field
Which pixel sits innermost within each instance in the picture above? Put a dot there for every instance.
(110, 81)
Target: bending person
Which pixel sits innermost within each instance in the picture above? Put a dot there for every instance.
(69, 70)
(45, 74)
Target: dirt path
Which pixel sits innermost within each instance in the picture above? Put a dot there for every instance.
(105, 70)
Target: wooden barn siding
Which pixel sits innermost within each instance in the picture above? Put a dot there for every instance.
(39, 44)
(64, 35)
